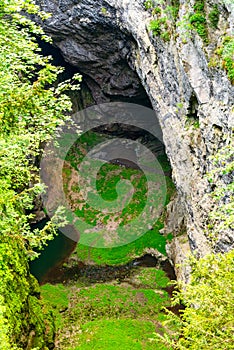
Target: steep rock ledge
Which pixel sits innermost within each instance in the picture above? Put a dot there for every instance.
(110, 43)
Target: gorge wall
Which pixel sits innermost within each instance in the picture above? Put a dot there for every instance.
(111, 44)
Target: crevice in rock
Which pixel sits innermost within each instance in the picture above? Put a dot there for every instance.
(193, 107)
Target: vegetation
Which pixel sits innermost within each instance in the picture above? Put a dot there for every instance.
(110, 315)
(223, 57)
(207, 321)
(198, 20)
(164, 18)
(226, 52)
(32, 106)
(106, 180)
(214, 16)
(222, 214)
(30, 111)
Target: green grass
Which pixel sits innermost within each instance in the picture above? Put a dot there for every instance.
(118, 334)
(110, 315)
(152, 278)
(106, 183)
(57, 297)
(110, 301)
(124, 254)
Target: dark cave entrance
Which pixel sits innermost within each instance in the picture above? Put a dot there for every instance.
(50, 263)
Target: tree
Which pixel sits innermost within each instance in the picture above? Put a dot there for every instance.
(32, 108)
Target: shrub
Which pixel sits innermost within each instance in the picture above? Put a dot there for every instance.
(207, 321)
(214, 16)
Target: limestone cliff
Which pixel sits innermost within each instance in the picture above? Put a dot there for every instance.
(110, 42)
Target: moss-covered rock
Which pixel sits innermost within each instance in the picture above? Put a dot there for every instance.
(24, 320)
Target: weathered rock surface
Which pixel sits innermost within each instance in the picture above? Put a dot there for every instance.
(110, 42)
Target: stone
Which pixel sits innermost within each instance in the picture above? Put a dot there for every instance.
(116, 51)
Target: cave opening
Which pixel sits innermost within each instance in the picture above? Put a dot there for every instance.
(50, 263)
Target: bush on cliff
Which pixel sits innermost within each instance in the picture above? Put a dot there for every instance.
(30, 110)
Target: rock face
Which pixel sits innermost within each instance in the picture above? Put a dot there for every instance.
(109, 41)
(25, 319)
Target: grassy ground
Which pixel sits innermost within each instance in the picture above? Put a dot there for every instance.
(121, 313)
(110, 315)
(106, 181)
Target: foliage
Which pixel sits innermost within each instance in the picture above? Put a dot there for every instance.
(152, 278)
(20, 307)
(226, 51)
(106, 180)
(149, 4)
(124, 254)
(56, 297)
(118, 334)
(110, 315)
(158, 25)
(214, 16)
(30, 112)
(198, 20)
(222, 214)
(31, 108)
(207, 321)
(4, 340)
(223, 56)
(166, 17)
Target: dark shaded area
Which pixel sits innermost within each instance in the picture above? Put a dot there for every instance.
(105, 273)
(57, 59)
(88, 84)
(193, 107)
(54, 254)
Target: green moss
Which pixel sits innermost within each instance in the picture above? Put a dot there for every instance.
(110, 315)
(56, 296)
(152, 278)
(198, 20)
(120, 334)
(110, 301)
(124, 254)
(106, 182)
(224, 57)
(214, 16)
(22, 311)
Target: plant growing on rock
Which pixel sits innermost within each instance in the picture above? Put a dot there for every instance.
(207, 321)
(198, 20)
(214, 16)
(31, 109)
(165, 18)
(222, 215)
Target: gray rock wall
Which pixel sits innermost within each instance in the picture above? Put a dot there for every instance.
(107, 38)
